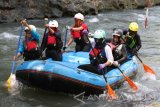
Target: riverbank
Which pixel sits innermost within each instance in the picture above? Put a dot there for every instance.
(148, 94)
(15, 10)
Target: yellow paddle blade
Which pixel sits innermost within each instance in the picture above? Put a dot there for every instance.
(131, 83)
(11, 82)
(111, 93)
(148, 69)
(8, 82)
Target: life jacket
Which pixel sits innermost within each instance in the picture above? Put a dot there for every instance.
(77, 35)
(97, 56)
(51, 40)
(112, 46)
(94, 52)
(31, 49)
(131, 43)
(30, 45)
(116, 50)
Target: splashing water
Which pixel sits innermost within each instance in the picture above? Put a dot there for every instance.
(148, 76)
(93, 20)
(6, 35)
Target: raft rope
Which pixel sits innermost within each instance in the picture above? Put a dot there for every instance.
(81, 70)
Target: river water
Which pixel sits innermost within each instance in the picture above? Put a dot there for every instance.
(148, 94)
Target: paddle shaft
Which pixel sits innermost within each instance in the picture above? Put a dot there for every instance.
(43, 36)
(119, 69)
(65, 39)
(18, 44)
(45, 22)
(138, 58)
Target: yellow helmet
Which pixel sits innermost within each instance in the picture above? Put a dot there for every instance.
(133, 26)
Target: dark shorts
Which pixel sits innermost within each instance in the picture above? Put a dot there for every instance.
(54, 54)
(83, 47)
(31, 55)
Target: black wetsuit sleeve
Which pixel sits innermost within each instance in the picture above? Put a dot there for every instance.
(125, 31)
(138, 45)
(57, 34)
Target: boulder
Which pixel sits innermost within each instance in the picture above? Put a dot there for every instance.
(16, 10)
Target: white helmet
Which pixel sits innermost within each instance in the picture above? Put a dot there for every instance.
(32, 27)
(99, 34)
(79, 16)
(53, 23)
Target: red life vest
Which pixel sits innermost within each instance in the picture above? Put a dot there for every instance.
(51, 39)
(95, 52)
(78, 34)
(97, 56)
(31, 45)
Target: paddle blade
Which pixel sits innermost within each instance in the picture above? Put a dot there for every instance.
(11, 80)
(148, 69)
(131, 83)
(111, 93)
(8, 82)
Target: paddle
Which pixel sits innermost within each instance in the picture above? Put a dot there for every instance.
(45, 22)
(65, 39)
(146, 68)
(8, 83)
(130, 82)
(111, 93)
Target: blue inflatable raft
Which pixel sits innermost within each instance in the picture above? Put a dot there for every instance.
(66, 77)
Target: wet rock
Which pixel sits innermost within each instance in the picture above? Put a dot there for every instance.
(16, 10)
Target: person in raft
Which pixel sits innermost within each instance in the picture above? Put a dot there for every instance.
(100, 55)
(79, 32)
(132, 39)
(52, 41)
(29, 47)
(118, 48)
